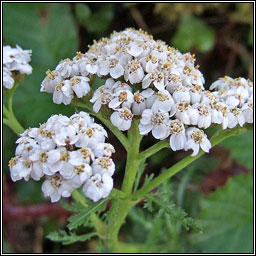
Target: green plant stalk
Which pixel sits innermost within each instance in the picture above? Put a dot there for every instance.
(133, 159)
(154, 149)
(13, 123)
(9, 117)
(121, 207)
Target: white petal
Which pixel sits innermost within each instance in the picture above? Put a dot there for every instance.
(117, 71)
(160, 131)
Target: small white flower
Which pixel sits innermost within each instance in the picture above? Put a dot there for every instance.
(172, 81)
(204, 117)
(103, 149)
(195, 94)
(102, 96)
(247, 109)
(156, 77)
(80, 85)
(207, 97)
(133, 72)
(140, 99)
(149, 63)
(19, 168)
(222, 84)
(56, 187)
(51, 80)
(66, 136)
(122, 119)
(68, 68)
(122, 98)
(88, 66)
(216, 112)
(26, 146)
(97, 187)
(181, 93)
(236, 116)
(196, 139)
(111, 66)
(63, 93)
(103, 165)
(81, 174)
(160, 51)
(163, 102)
(135, 50)
(155, 121)
(186, 114)
(118, 86)
(178, 137)
(192, 76)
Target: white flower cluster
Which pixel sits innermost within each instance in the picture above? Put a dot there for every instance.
(15, 59)
(70, 153)
(159, 84)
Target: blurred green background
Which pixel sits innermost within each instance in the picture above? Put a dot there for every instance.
(221, 36)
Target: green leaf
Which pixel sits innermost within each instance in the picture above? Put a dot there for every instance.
(174, 212)
(193, 32)
(241, 148)
(74, 207)
(227, 218)
(65, 238)
(83, 12)
(83, 216)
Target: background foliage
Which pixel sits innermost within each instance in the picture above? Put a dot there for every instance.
(221, 36)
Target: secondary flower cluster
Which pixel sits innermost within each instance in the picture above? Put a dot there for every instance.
(15, 59)
(70, 153)
(157, 83)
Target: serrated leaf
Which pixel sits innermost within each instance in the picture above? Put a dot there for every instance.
(174, 212)
(227, 218)
(148, 178)
(74, 207)
(83, 216)
(241, 148)
(193, 32)
(65, 238)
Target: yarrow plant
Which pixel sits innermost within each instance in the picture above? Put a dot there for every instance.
(149, 88)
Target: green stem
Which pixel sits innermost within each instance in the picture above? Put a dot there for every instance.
(11, 121)
(154, 149)
(5, 111)
(133, 159)
(216, 139)
(121, 207)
